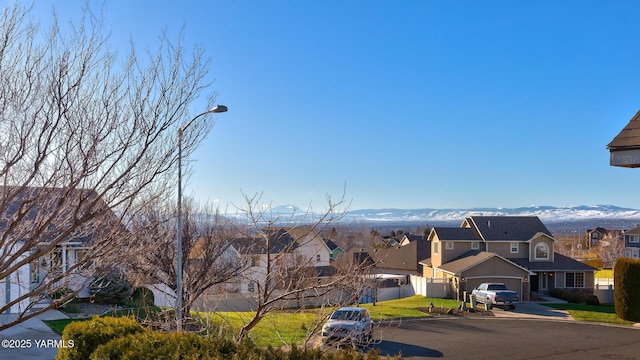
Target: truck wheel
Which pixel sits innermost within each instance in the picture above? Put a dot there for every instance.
(512, 307)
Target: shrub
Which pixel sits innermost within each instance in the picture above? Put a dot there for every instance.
(626, 293)
(556, 293)
(88, 335)
(165, 345)
(114, 288)
(184, 345)
(141, 297)
(575, 298)
(593, 300)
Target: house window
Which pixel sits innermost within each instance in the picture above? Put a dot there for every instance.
(627, 253)
(633, 238)
(514, 247)
(318, 258)
(448, 245)
(255, 261)
(251, 287)
(475, 245)
(436, 247)
(574, 280)
(541, 251)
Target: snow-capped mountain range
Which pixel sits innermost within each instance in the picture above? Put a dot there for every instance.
(545, 213)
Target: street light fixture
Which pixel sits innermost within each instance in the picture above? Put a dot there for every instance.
(215, 109)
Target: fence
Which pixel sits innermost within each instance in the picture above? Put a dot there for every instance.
(603, 289)
(435, 288)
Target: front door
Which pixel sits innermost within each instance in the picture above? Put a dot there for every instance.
(544, 281)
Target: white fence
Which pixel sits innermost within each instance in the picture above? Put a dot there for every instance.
(603, 289)
(435, 288)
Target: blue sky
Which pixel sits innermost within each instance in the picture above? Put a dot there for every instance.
(411, 104)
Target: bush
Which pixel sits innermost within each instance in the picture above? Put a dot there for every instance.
(575, 298)
(88, 335)
(626, 293)
(141, 297)
(593, 300)
(556, 293)
(184, 345)
(113, 288)
(163, 345)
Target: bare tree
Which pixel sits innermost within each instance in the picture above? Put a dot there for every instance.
(86, 140)
(287, 274)
(209, 258)
(610, 250)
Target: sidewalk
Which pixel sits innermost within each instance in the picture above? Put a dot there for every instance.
(28, 340)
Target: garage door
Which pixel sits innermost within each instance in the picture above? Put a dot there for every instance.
(512, 284)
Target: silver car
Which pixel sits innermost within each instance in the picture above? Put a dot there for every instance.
(350, 325)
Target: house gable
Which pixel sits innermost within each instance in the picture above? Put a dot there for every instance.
(541, 248)
(624, 149)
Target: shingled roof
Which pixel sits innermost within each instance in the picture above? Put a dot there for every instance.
(508, 228)
(629, 137)
(624, 149)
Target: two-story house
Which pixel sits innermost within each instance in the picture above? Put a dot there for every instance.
(288, 248)
(632, 243)
(515, 250)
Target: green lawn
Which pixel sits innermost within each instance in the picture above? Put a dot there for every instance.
(604, 313)
(291, 327)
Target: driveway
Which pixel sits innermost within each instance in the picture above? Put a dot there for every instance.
(532, 310)
(31, 339)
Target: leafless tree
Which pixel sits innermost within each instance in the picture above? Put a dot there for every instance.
(610, 250)
(87, 138)
(286, 273)
(208, 257)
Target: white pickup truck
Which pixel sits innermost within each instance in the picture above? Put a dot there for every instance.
(495, 294)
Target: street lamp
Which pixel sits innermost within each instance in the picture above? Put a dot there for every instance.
(215, 109)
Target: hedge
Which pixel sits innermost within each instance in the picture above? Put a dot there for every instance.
(626, 293)
(88, 335)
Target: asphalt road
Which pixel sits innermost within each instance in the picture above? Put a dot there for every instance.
(507, 338)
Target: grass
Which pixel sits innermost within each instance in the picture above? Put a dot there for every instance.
(59, 325)
(291, 327)
(604, 313)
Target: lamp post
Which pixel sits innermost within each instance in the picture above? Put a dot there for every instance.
(215, 109)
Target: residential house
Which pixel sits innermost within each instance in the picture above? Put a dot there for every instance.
(624, 149)
(599, 234)
(33, 218)
(515, 250)
(409, 238)
(632, 243)
(335, 251)
(292, 247)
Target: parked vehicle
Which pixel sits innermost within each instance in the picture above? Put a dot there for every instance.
(351, 325)
(495, 294)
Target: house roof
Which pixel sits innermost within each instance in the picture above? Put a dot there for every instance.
(634, 231)
(331, 245)
(472, 258)
(403, 257)
(63, 208)
(508, 228)
(629, 136)
(560, 263)
(279, 241)
(452, 234)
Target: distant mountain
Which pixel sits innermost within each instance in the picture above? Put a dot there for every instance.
(548, 214)
(545, 213)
